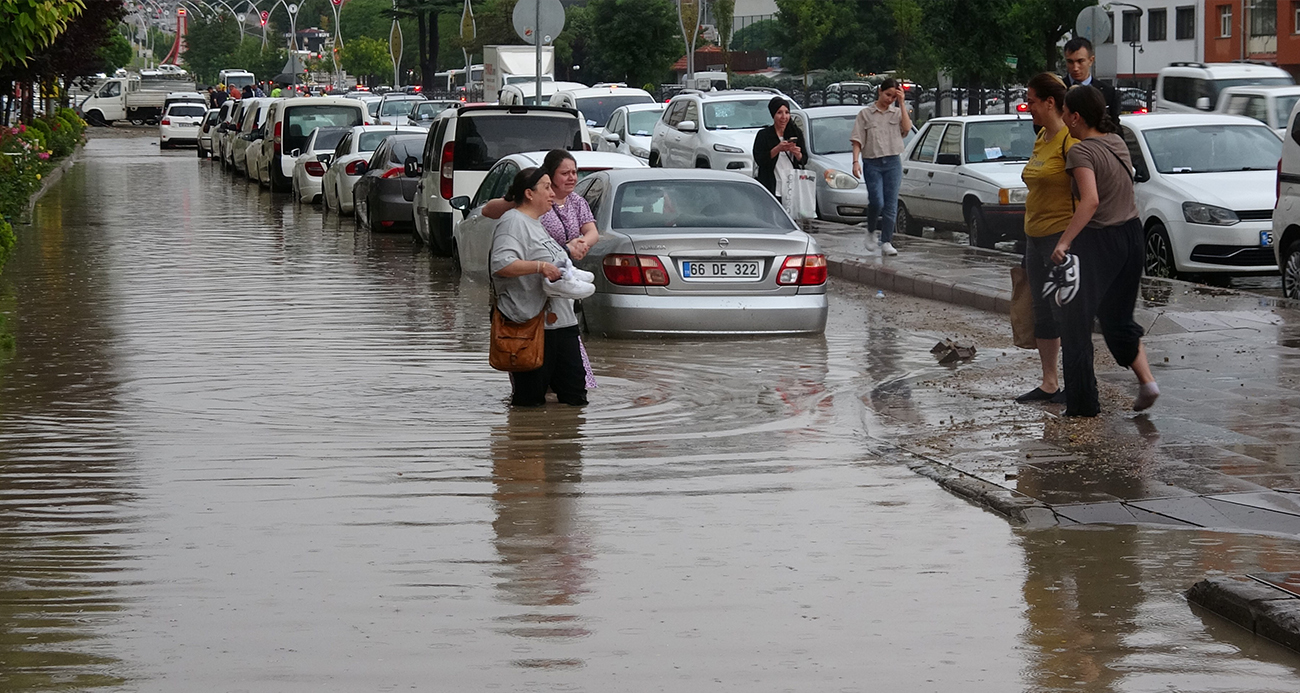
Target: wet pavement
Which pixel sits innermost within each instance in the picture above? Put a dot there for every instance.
(246, 447)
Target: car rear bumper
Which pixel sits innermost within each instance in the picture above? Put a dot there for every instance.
(638, 314)
(309, 188)
(391, 209)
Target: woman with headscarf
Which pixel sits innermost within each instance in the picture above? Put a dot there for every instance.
(779, 147)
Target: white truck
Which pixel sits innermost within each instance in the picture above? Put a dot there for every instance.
(127, 98)
(504, 65)
(236, 78)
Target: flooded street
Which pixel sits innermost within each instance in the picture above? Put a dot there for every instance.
(246, 447)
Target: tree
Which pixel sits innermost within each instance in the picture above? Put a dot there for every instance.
(803, 29)
(1045, 22)
(211, 45)
(27, 26)
(78, 52)
(366, 57)
(265, 63)
(633, 40)
(116, 52)
(724, 14)
(759, 36)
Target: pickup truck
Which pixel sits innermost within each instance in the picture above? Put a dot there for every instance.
(127, 98)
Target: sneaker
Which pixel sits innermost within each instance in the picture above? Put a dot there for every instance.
(888, 248)
(1068, 284)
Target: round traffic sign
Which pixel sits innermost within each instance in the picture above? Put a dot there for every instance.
(1093, 23)
(526, 20)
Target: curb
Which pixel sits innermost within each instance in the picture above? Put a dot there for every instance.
(1016, 507)
(920, 284)
(49, 179)
(1254, 604)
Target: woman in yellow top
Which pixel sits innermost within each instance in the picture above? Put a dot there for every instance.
(1048, 209)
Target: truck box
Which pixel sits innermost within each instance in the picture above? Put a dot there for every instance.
(504, 65)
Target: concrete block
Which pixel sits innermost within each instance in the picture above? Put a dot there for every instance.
(964, 296)
(904, 284)
(942, 290)
(1250, 605)
(923, 286)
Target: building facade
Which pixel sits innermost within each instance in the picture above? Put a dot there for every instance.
(1147, 35)
(1263, 30)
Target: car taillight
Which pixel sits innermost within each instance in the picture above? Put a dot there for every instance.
(275, 143)
(635, 270)
(447, 170)
(166, 121)
(803, 270)
(315, 168)
(1022, 107)
(394, 172)
(354, 168)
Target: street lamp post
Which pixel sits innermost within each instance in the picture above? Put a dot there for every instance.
(336, 5)
(1136, 42)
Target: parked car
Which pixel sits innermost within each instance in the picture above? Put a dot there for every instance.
(382, 195)
(227, 129)
(250, 131)
(1203, 184)
(710, 130)
(690, 252)
(313, 159)
(472, 235)
(963, 172)
(424, 113)
(371, 101)
(840, 196)
(395, 106)
(184, 97)
(349, 162)
(1286, 213)
(206, 130)
(597, 104)
(289, 122)
(1195, 87)
(462, 146)
(1270, 105)
(628, 130)
(180, 124)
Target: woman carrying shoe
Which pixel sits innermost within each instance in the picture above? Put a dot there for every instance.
(1102, 249)
(523, 255)
(1048, 210)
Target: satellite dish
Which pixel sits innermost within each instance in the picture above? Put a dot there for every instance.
(527, 26)
(1093, 23)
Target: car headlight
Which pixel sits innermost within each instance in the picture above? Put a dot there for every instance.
(1198, 213)
(839, 179)
(1013, 196)
(727, 149)
(637, 151)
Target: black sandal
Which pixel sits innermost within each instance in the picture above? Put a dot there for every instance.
(1036, 395)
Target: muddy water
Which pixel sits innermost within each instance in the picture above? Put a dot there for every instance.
(245, 447)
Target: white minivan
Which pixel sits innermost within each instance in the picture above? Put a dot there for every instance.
(1195, 87)
(290, 122)
(1286, 215)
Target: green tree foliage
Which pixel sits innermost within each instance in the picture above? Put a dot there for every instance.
(211, 45)
(264, 63)
(724, 14)
(632, 40)
(979, 35)
(27, 26)
(116, 52)
(368, 58)
(759, 36)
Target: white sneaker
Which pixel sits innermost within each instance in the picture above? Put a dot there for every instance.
(568, 287)
(888, 248)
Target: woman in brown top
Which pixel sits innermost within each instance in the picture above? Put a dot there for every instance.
(1104, 245)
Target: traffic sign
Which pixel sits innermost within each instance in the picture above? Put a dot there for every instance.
(1093, 23)
(547, 24)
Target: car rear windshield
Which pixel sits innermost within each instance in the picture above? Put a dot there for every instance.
(1282, 107)
(831, 135)
(1213, 148)
(697, 204)
(187, 111)
(1000, 140)
(369, 141)
(328, 139)
(642, 122)
(482, 139)
(404, 146)
(598, 109)
(1216, 86)
(397, 107)
(736, 115)
(429, 109)
(299, 121)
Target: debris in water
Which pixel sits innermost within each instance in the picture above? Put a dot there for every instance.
(949, 351)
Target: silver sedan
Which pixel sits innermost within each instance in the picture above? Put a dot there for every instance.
(840, 196)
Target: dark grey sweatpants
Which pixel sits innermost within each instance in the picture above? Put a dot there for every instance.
(1110, 274)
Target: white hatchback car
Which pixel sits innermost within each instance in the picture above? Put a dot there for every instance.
(710, 130)
(349, 161)
(313, 160)
(1204, 189)
(180, 124)
(628, 130)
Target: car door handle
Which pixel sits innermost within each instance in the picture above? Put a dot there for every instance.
(930, 174)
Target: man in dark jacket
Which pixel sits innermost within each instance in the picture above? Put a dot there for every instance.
(1079, 60)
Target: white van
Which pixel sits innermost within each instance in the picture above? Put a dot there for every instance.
(1286, 215)
(1269, 105)
(1195, 87)
(290, 122)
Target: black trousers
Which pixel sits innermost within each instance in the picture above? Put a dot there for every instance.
(561, 372)
(1110, 274)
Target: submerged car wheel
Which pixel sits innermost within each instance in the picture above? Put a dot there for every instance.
(977, 228)
(1160, 254)
(905, 222)
(1291, 271)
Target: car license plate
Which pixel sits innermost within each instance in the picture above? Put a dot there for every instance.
(1266, 239)
(743, 270)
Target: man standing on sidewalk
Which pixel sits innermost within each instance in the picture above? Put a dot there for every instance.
(877, 140)
(1079, 60)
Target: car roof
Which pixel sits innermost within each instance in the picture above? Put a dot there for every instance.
(1151, 121)
(990, 117)
(398, 129)
(647, 106)
(527, 88)
(833, 111)
(605, 91)
(318, 100)
(1275, 89)
(624, 175)
(1223, 70)
(402, 96)
(516, 109)
(730, 95)
(584, 159)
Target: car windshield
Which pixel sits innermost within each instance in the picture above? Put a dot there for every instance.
(598, 109)
(328, 138)
(642, 122)
(1282, 107)
(736, 115)
(1213, 148)
(697, 204)
(482, 139)
(1216, 86)
(299, 121)
(372, 107)
(831, 135)
(999, 140)
(187, 111)
(397, 107)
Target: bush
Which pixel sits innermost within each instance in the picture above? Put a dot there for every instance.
(6, 241)
(22, 163)
(63, 136)
(42, 130)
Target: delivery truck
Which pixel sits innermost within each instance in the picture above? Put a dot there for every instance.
(504, 65)
(127, 98)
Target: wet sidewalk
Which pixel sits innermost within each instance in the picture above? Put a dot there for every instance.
(1220, 450)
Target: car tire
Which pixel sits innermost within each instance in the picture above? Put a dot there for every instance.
(202, 154)
(96, 119)
(455, 255)
(905, 222)
(977, 228)
(1291, 271)
(1160, 254)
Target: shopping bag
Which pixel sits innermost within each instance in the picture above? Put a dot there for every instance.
(1022, 310)
(800, 195)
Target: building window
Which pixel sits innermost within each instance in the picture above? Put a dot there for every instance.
(1263, 18)
(1157, 24)
(1185, 23)
(1225, 21)
(1132, 27)
(1295, 13)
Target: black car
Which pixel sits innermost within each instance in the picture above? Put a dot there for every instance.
(383, 195)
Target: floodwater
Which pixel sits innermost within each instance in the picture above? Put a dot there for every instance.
(244, 447)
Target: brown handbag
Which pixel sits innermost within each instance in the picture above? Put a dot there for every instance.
(517, 346)
(1022, 310)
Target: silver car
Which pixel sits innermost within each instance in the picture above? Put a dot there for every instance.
(840, 196)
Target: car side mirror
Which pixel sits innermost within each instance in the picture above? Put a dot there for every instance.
(1203, 103)
(688, 126)
(948, 159)
(613, 138)
(362, 166)
(412, 167)
(1141, 176)
(462, 203)
(295, 153)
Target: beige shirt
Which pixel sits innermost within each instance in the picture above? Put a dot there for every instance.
(1109, 160)
(877, 131)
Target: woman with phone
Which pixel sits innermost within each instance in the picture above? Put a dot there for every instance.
(877, 141)
(779, 147)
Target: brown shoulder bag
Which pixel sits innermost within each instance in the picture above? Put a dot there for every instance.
(517, 346)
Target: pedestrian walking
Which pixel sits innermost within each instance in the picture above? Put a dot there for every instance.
(1099, 257)
(1079, 60)
(1049, 207)
(276, 92)
(877, 139)
(523, 256)
(778, 148)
